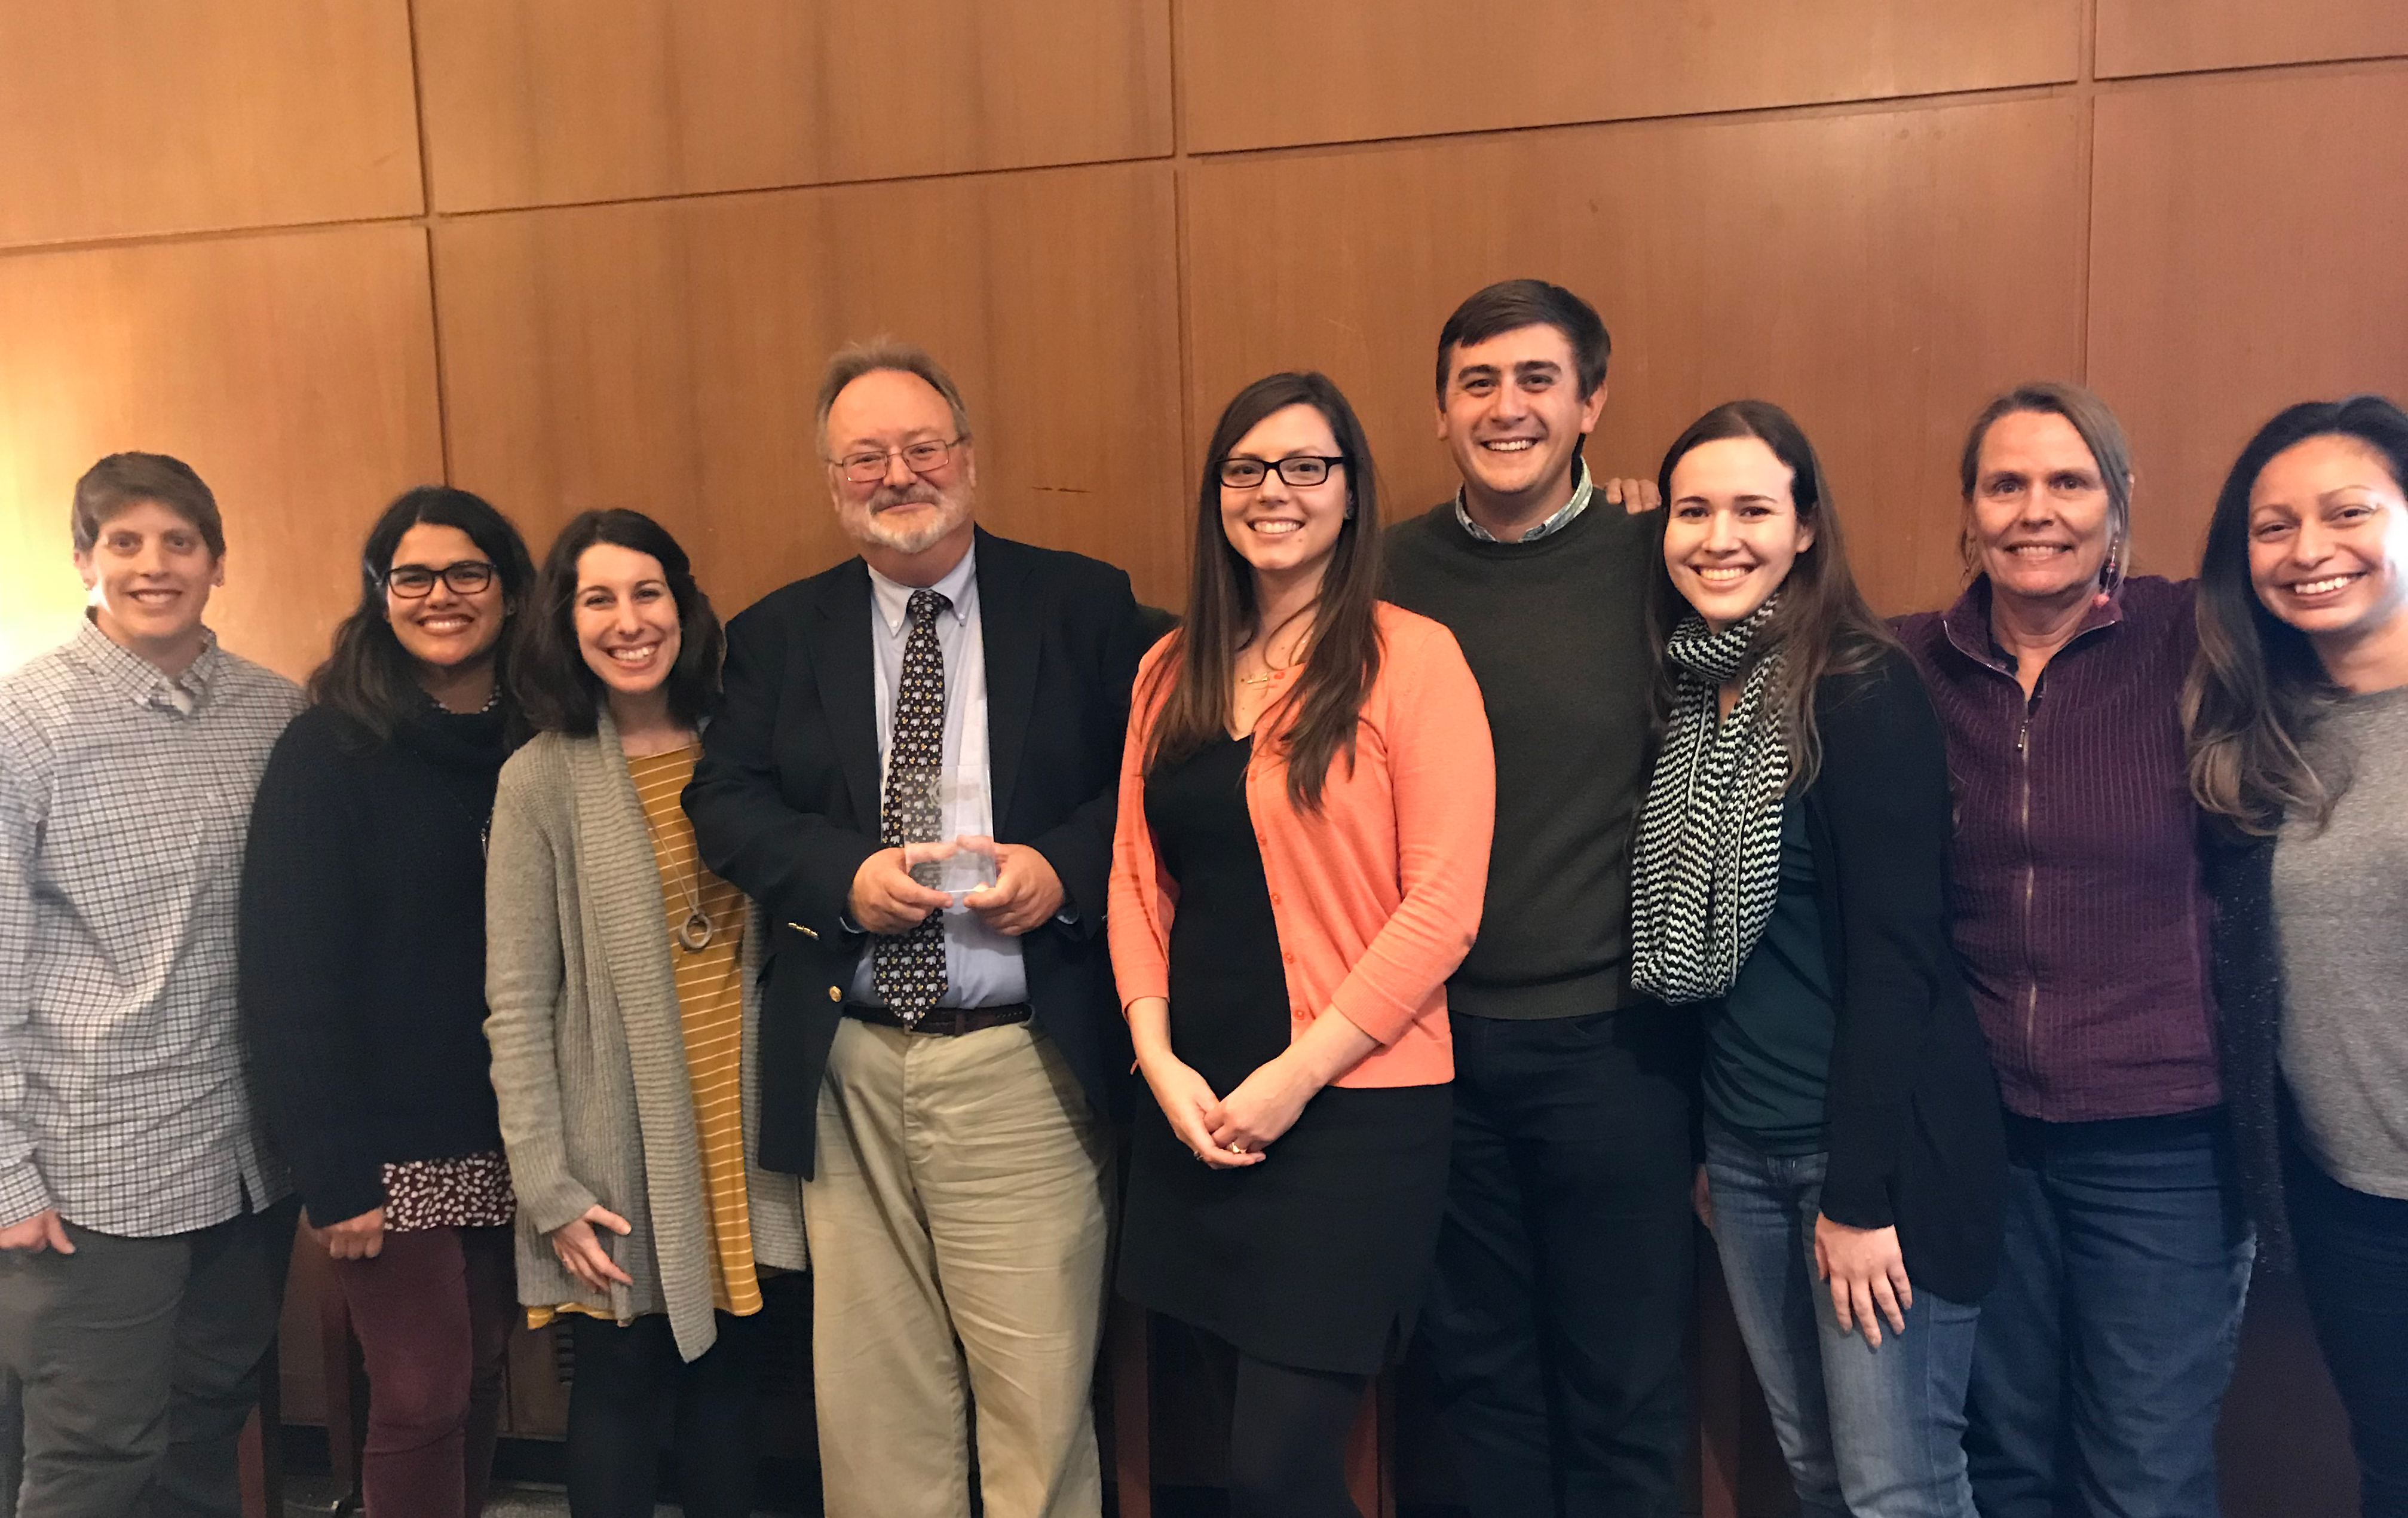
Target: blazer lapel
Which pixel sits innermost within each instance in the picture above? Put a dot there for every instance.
(841, 662)
(1010, 608)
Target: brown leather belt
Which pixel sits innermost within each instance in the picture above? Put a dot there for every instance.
(943, 1022)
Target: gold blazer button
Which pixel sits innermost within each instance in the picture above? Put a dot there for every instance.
(835, 993)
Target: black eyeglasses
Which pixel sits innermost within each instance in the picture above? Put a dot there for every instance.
(414, 581)
(920, 458)
(1242, 473)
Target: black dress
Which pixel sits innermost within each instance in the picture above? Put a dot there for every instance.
(1317, 1256)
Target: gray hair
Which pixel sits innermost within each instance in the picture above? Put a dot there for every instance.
(853, 360)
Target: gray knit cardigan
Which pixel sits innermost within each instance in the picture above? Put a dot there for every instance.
(588, 1055)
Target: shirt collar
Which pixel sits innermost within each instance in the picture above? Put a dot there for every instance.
(893, 599)
(1562, 519)
(1968, 625)
(138, 680)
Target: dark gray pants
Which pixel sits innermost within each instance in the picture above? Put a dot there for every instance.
(134, 1363)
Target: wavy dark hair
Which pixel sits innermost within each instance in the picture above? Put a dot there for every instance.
(2257, 683)
(1822, 625)
(556, 689)
(1343, 656)
(368, 677)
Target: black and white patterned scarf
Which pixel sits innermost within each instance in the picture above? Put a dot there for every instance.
(1707, 862)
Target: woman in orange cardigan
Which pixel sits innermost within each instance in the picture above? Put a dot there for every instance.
(1305, 806)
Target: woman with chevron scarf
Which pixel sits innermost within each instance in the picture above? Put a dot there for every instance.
(1790, 879)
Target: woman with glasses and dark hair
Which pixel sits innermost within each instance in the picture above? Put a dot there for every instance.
(2079, 910)
(1306, 799)
(620, 972)
(362, 966)
(1789, 878)
(2298, 724)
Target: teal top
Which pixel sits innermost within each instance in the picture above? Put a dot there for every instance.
(1769, 1040)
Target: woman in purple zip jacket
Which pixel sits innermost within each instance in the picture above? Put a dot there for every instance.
(2080, 910)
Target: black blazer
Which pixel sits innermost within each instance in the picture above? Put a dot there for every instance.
(785, 799)
(1912, 1115)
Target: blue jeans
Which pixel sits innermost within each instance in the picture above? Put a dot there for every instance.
(2107, 1344)
(1875, 1433)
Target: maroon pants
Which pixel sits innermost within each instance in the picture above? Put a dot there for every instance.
(434, 1312)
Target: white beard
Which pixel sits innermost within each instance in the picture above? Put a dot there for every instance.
(866, 523)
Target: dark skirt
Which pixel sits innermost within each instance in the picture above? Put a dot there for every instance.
(1316, 1257)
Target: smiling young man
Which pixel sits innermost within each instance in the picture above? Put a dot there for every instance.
(1558, 1319)
(143, 1229)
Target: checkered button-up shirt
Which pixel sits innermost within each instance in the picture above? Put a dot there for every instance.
(124, 801)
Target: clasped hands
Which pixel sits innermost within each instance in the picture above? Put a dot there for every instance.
(1230, 1132)
(885, 899)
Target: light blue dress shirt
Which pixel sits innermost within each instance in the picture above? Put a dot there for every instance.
(982, 967)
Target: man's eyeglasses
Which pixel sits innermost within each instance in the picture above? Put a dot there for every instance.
(920, 458)
(414, 581)
(1242, 473)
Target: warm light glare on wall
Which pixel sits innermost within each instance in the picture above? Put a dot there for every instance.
(39, 595)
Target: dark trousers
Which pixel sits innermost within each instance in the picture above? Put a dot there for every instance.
(135, 1363)
(433, 1312)
(2353, 1264)
(2105, 1350)
(628, 1379)
(1558, 1319)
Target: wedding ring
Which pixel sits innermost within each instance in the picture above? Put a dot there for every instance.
(1238, 1147)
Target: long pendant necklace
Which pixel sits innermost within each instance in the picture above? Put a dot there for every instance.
(693, 933)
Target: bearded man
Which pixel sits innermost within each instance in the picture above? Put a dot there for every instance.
(936, 1052)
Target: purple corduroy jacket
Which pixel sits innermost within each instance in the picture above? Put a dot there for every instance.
(2079, 905)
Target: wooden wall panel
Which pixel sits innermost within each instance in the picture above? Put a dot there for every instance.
(1879, 275)
(668, 356)
(547, 102)
(295, 371)
(148, 116)
(2244, 254)
(2172, 36)
(1263, 73)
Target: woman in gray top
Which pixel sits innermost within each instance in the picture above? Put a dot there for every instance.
(620, 975)
(2298, 711)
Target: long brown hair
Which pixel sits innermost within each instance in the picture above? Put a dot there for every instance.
(1342, 654)
(1822, 625)
(2257, 683)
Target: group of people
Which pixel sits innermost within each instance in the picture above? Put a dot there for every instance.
(1403, 948)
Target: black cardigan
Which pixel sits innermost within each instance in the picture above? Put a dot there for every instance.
(2246, 962)
(1911, 1114)
(362, 949)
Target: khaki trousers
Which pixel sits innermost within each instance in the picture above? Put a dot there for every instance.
(957, 1230)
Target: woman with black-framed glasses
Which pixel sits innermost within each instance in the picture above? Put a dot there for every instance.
(363, 958)
(1306, 799)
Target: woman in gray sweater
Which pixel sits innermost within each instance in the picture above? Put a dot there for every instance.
(620, 974)
(2299, 729)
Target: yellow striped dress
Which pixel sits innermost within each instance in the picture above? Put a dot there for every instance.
(710, 1008)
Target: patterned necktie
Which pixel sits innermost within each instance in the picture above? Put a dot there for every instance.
(909, 969)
